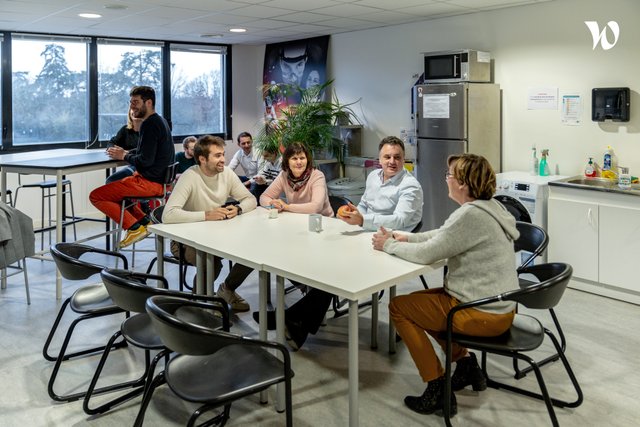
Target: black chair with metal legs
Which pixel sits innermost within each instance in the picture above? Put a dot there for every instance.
(206, 366)
(533, 241)
(156, 218)
(526, 334)
(89, 302)
(129, 291)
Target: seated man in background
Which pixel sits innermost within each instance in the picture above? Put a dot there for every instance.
(186, 158)
(151, 158)
(246, 158)
(270, 167)
(201, 194)
(392, 197)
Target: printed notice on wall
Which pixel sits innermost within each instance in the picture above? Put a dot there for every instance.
(543, 98)
(571, 110)
(435, 106)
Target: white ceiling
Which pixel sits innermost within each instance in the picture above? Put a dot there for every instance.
(266, 21)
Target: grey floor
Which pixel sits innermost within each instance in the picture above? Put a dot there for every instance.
(603, 348)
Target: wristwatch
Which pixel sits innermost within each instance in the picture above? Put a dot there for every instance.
(239, 209)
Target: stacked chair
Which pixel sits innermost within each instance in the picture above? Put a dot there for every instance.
(88, 302)
(129, 292)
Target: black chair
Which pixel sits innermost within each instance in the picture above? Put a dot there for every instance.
(129, 291)
(89, 302)
(205, 369)
(514, 207)
(130, 201)
(156, 218)
(526, 334)
(533, 241)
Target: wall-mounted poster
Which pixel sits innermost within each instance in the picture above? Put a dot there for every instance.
(300, 63)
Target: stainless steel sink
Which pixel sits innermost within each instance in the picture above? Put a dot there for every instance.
(602, 184)
(593, 182)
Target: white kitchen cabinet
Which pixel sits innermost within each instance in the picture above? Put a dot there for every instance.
(573, 236)
(619, 247)
(598, 233)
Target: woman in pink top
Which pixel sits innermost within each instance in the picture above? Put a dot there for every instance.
(304, 187)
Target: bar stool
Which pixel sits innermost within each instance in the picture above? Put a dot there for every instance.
(130, 201)
(47, 188)
(9, 197)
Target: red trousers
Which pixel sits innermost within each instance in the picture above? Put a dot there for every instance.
(426, 311)
(108, 198)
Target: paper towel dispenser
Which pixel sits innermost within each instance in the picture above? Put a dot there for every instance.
(610, 103)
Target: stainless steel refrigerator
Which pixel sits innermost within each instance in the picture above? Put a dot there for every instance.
(450, 119)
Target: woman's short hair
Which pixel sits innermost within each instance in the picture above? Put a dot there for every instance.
(293, 149)
(476, 172)
(203, 146)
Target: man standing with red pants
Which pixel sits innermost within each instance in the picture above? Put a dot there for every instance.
(153, 155)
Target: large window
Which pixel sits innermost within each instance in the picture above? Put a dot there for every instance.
(73, 91)
(49, 79)
(122, 65)
(197, 89)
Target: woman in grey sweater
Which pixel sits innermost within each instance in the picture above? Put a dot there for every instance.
(477, 242)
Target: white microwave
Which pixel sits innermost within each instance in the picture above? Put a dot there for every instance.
(451, 66)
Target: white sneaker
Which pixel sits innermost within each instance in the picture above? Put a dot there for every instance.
(235, 301)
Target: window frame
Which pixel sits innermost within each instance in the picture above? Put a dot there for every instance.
(7, 145)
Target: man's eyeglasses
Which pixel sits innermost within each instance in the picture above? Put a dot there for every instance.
(447, 174)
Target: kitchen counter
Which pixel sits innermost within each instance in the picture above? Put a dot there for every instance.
(597, 184)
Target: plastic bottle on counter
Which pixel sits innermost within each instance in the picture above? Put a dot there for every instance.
(589, 170)
(624, 178)
(544, 165)
(610, 162)
(534, 161)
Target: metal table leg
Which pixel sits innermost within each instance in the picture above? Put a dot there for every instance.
(353, 363)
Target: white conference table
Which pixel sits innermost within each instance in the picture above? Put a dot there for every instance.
(339, 260)
(57, 162)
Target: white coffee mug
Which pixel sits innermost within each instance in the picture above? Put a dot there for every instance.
(315, 223)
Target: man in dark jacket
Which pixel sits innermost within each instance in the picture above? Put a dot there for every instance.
(151, 158)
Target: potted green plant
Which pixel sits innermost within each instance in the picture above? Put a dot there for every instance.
(312, 121)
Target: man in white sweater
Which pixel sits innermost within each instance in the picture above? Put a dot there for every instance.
(201, 194)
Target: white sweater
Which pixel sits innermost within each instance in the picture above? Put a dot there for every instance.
(195, 193)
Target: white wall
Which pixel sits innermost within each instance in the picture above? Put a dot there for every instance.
(541, 45)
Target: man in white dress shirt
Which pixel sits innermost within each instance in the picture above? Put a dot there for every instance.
(393, 197)
(246, 158)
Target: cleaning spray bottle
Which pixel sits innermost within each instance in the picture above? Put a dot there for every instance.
(534, 161)
(610, 162)
(590, 170)
(544, 166)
